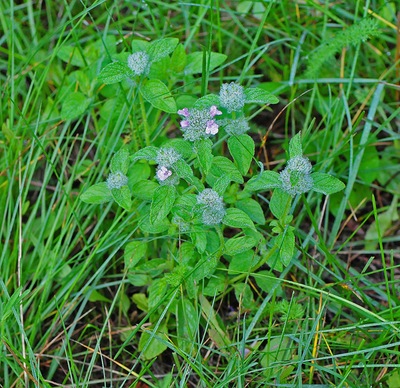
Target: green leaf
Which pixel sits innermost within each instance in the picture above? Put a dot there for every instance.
(96, 194)
(72, 55)
(295, 147)
(221, 184)
(150, 345)
(244, 295)
(178, 59)
(74, 105)
(267, 180)
(195, 62)
(157, 291)
(199, 239)
(280, 203)
(161, 48)
(203, 149)
(144, 189)
(123, 197)
(120, 161)
(184, 147)
(243, 262)
(286, 245)
(160, 227)
(326, 184)
(141, 301)
(161, 205)
(114, 72)
(236, 218)
(157, 94)
(253, 209)
(187, 325)
(204, 268)
(236, 245)
(206, 101)
(242, 150)
(134, 252)
(259, 96)
(147, 153)
(223, 166)
(183, 170)
(266, 280)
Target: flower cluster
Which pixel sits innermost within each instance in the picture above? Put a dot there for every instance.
(232, 97)
(296, 177)
(212, 207)
(139, 63)
(166, 158)
(116, 180)
(199, 123)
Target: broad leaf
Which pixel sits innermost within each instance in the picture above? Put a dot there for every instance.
(123, 197)
(280, 203)
(147, 153)
(236, 218)
(134, 252)
(144, 189)
(253, 209)
(204, 154)
(74, 105)
(236, 245)
(259, 96)
(242, 150)
(161, 205)
(195, 62)
(157, 94)
(223, 166)
(286, 245)
(96, 194)
(161, 48)
(267, 180)
(295, 147)
(120, 161)
(326, 184)
(206, 101)
(114, 72)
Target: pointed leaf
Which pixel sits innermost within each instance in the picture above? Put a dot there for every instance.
(147, 153)
(242, 150)
(259, 96)
(161, 48)
(286, 245)
(123, 197)
(96, 194)
(295, 148)
(114, 72)
(223, 166)
(74, 105)
(253, 209)
(161, 205)
(204, 154)
(120, 161)
(157, 94)
(195, 62)
(236, 245)
(236, 218)
(280, 204)
(326, 184)
(267, 180)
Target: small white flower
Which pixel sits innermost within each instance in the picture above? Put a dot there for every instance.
(116, 180)
(139, 62)
(163, 173)
(232, 97)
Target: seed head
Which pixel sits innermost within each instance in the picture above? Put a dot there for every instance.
(139, 63)
(232, 97)
(117, 180)
(167, 156)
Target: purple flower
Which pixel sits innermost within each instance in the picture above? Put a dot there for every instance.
(212, 127)
(163, 173)
(199, 123)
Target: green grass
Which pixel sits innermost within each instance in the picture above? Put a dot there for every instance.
(67, 317)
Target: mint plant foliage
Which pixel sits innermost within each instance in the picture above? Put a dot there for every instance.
(200, 189)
